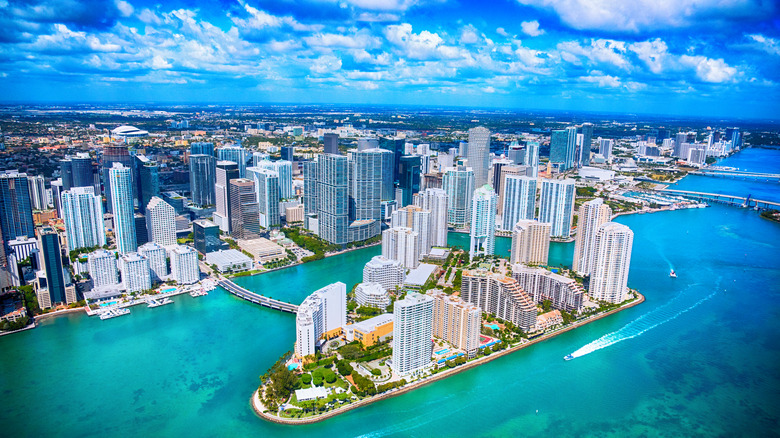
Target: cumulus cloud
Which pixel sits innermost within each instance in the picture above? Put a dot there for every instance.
(468, 35)
(419, 46)
(769, 45)
(125, 8)
(531, 28)
(710, 70)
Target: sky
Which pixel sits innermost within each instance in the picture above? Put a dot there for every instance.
(714, 58)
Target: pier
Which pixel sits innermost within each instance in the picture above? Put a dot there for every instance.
(257, 298)
(739, 201)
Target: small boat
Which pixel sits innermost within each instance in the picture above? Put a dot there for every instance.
(568, 357)
(673, 274)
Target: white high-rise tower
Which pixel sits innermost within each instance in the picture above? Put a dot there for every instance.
(479, 154)
(458, 183)
(121, 183)
(611, 261)
(435, 201)
(161, 222)
(483, 222)
(556, 206)
(412, 333)
(591, 215)
(82, 212)
(519, 200)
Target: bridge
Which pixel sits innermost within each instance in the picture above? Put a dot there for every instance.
(737, 174)
(257, 298)
(726, 199)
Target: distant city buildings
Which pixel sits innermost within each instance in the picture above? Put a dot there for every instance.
(435, 201)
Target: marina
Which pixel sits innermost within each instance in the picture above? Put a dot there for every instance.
(113, 313)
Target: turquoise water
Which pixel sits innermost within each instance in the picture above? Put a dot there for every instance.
(166, 290)
(699, 358)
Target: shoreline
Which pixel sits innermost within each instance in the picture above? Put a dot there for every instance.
(257, 405)
(299, 263)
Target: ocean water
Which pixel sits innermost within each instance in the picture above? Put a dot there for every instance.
(699, 358)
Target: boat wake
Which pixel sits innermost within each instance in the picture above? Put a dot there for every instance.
(644, 323)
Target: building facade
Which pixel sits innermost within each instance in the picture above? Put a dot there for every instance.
(121, 182)
(203, 176)
(611, 261)
(372, 295)
(530, 242)
(456, 321)
(412, 334)
(519, 200)
(402, 244)
(591, 215)
(564, 293)
(158, 260)
(322, 315)
(483, 222)
(479, 154)
(160, 222)
(387, 272)
(556, 205)
(458, 184)
(16, 218)
(244, 211)
(102, 268)
(184, 265)
(499, 296)
(82, 214)
(135, 272)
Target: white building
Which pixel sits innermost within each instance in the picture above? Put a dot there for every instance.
(435, 201)
(479, 154)
(184, 265)
(229, 260)
(82, 212)
(37, 188)
(591, 215)
(158, 260)
(412, 333)
(267, 189)
(387, 272)
(322, 314)
(519, 200)
(372, 295)
(540, 284)
(557, 206)
(612, 259)
(458, 184)
(418, 220)
(283, 169)
(483, 222)
(121, 185)
(161, 222)
(402, 244)
(135, 272)
(102, 268)
(530, 242)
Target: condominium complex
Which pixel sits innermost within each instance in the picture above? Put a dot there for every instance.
(418, 220)
(530, 242)
(611, 260)
(387, 272)
(592, 215)
(158, 260)
(499, 296)
(184, 265)
(456, 321)
(519, 200)
(160, 222)
(283, 170)
(401, 244)
(82, 213)
(556, 206)
(564, 293)
(458, 184)
(122, 207)
(435, 200)
(102, 268)
(412, 333)
(372, 295)
(268, 196)
(135, 272)
(483, 222)
(323, 314)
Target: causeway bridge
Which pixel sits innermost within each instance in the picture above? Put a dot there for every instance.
(738, 201)
(257, 298)
(737, 174)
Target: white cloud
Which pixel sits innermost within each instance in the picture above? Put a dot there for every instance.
(600, 51)
(360, 40)
(420, 46)
(326, 64)
(501, 31)
(125, 8)
(531, 28)
(383, 5)
(769, 45)
(468, 35)
(710, 70)
(654, 54)
(159, 63)
(149, 17)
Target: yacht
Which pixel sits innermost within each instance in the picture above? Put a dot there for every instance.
(568, 357)
(673, 274)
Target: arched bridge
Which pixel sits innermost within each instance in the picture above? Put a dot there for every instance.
(257, 298)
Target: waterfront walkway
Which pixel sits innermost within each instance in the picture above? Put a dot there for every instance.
(738, 201)
(257, 298)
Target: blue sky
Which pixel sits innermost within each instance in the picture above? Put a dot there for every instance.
(692, 57)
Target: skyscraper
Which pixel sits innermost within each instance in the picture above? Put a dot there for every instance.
(225, 171)
(56, 195)
(556, 205)
(365, 185)
(519, 200)
(206, 236)
(161, 222)
(592, 215)
(135, 272)
(531, 158)
(479, 154)
(236, 154)
(396, 146)
(418, 220)
(113, 153)
(82, 213)
(435, 201)
(158, 260)
(401, 244)
(66, 173)
(321, 314)
(102, 268)
(82, 171)
(184, 265)
(287, 153)
(15, 207)
(611, 261)
(506, 171)
(563, 144)
(37, 188)
(203, 176)
(458, 183)
(202, 148)
(147, 175)
(284, 170)
(412, 333)
(587, 137)
(331, 143)
(499, 296)
(409, 178)
(387, 272)
(605, 147)
(515, 153)
(244, 209)
(333, 198)
(267, 192)
(121, 183)
(51, 264)
(483, 222)
(530, 242)
(456, 321)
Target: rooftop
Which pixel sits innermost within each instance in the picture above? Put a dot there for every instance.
(419, 275)
(229, 256)
(370, 325)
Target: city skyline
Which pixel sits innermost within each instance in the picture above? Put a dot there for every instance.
(667, 58)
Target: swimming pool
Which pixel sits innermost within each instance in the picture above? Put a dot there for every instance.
(445, 351)
(110, 303)
(494, 326)
(168, 290)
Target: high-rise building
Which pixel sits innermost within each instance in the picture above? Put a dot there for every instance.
(563, 145)
(225, 171)
(267, 193)
(323, 314)
(258, 157)
(530, 242)
(161, 222)
(53, 290)
(387, 272)
(397, 147)
(66, 173)
(15, 207)
(515, 153)
(82, 213)
(203, 176)
(237, 155)
(412, 334)
(587, 138)
(202, 148)
(113, 153)
(147, 175)
(284, 169)
(519, 200)
(483, 222)
(494, 176)
(611, 261)
(158, 260)
(56, 195)
(287, 153)
(556, 205)
(37, 187)
(333, 198)
(591, 215)
(456, 321)
(372, 295)
(503, 173)
(402, 244)
(244, 211)
(310, 181)
(135, 272)
(605, 147)
(531, 158)
(184, 265)
(540, 284)
(331, 143)
(141, 233)
(206, 236)
(121, 184)
(499, 296)
(418, 220)
(479, 154)
(458, 183)
(409, 178)
(82, 171)
(365, 184)
(435, 201)
(101, 265)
